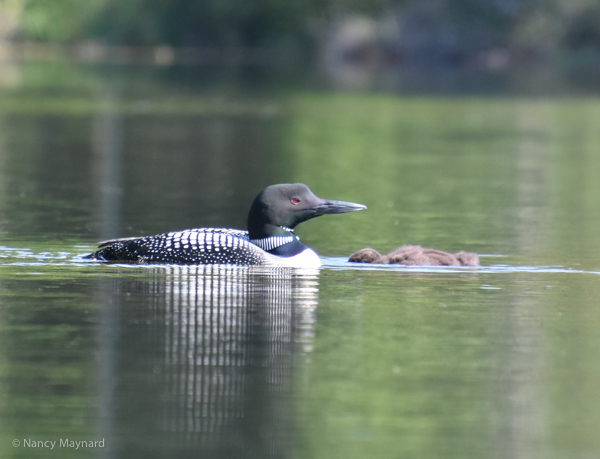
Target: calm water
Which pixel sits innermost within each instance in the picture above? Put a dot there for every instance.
(347, 361)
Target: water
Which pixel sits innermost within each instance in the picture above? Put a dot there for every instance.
(350, 360)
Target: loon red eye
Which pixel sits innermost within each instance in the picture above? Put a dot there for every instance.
(295, 200)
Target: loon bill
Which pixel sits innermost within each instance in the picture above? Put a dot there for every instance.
(269, 241)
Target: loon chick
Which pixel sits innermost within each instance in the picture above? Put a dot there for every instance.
(269, 241)
(415, 255)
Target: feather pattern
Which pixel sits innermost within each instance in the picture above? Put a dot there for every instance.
(193, 246)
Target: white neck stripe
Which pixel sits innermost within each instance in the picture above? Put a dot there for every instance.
(272, 242)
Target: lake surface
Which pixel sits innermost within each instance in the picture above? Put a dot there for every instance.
(348, 361)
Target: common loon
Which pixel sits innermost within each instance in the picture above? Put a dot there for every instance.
(269, 241)
(415, 255)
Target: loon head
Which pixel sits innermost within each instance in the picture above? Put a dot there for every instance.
(279, 208)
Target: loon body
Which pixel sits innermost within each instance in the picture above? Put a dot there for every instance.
(269, 241)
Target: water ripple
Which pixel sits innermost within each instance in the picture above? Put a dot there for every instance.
(11, 256)
(340, 263)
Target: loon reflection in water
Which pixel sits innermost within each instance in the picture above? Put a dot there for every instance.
(210, 354)
(269, 241)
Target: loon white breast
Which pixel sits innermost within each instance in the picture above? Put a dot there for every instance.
(269, 241)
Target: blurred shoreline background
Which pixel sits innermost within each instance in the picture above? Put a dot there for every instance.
(523, 46)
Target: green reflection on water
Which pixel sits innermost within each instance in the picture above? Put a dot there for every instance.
(433, 365)
(510, 176)
(47, 369)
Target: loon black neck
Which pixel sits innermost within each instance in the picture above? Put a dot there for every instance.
(290, 249)
(283, 242)
(265, 230)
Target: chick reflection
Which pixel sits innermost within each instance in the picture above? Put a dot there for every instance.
(230, 335)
